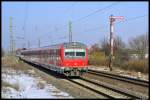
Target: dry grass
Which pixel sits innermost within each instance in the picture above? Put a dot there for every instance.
(14, 86)
(137, 65)
(98, 59)
(14, 63)
(41, 85)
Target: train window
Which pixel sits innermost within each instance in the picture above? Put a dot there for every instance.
(74, 53)
(80, 54)
(69, 54)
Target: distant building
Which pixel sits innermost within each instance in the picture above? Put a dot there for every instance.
(135, 55)
(146, 55)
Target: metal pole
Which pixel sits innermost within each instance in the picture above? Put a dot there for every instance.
(28, 44)
(14, 45)
(11, 36)
(112, 20)
(23, 45)
(70, 32)
(39, 42)
(111, 42)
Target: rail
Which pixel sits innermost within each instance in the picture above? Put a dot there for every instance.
(121, 78)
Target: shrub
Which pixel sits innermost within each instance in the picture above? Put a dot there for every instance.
(137, 65)
(97, 58)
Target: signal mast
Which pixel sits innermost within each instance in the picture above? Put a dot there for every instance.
(112, 20)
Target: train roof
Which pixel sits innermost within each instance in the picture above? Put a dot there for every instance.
(57, 46)
(74, 45)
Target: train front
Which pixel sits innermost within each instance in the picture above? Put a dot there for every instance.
(75, 58)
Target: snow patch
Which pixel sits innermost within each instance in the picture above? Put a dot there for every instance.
(28, 87)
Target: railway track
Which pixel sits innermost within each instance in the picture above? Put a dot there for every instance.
(143, 83)
(106, 90)
(130, 84)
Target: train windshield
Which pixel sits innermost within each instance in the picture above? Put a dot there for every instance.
(74, 53)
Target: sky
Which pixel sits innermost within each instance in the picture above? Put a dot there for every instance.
(49, 22)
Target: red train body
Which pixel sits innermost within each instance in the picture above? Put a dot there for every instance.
(70, 59)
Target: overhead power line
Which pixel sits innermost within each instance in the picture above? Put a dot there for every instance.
(52, 31)
(25, 18)
(133, 18)
(96, 11)
(105, 26)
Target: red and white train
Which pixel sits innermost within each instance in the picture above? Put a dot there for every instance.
(70, 59)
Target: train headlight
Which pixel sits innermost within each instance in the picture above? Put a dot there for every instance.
(62, 67)
(75, 63)
(83, 64)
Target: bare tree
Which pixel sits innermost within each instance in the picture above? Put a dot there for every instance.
(105, 46)
(139, 44)
(94, 47)
(119, 45)
(120, 49)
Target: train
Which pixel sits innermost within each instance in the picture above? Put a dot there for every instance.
(70, 58)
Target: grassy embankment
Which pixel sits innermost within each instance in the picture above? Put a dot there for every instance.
(13, 63)
(99, 59)
(10, 63)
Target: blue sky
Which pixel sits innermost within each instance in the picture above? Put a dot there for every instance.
(46, 20)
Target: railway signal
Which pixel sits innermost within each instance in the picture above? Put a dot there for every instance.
(112, 20)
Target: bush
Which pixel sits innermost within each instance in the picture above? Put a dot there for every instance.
(97, 58)
(121, 60)
(137, 65)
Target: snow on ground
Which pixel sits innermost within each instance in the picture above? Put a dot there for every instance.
(29, 86)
